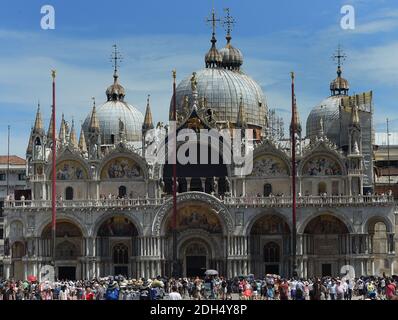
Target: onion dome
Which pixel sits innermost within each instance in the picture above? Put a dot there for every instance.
(232, 58)
(213, 58)
(339, 86)
(115, 92)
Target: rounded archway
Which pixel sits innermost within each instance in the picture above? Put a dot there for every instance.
(116, 245)
(68, 249)
(381, 243)
(270, 245)
(197, 226)
(326, 241)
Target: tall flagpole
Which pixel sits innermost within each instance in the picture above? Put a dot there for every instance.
(54, 191)
(293, 129)
(175, 272)
(8, 162)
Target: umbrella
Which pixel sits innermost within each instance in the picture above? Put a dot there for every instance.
(32, 278)
(211, 273)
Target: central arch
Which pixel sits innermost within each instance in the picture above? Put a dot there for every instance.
(325, 240)
(199, 222)
(270, 245)
(198, 198)
(116, 245)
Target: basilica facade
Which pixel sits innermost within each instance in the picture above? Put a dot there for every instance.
(114, 206)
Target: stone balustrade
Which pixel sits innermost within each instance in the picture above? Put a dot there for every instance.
(249, 201)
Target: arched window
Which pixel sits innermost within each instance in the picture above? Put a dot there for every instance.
(122, 191)
(120, 254)
(271, 253)
(267, 190)
(321, 188)
(69, 193)
(37, 142)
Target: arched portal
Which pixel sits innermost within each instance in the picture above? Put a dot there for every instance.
(270, 245)
(325, 240)
(116, 245)
(68, 249)
(200, 240)
(381, 243)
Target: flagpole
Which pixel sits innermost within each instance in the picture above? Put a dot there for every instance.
(8, 162)
(54, 191)
(293, 129)
(175, 272)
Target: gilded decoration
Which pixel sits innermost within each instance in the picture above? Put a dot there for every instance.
(269, 166)
(70, 170)
(121, 168)
(196, 217)
(270, 224)
(322, 166)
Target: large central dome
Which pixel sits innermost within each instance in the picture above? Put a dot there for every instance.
(222, 90)
(221, 85)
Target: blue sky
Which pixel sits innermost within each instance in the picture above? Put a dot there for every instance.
(157, 36)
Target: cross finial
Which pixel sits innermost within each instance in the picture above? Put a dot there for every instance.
(339, 56)
(93, 98)
(116, 58)
(213, 20)
(228, 21)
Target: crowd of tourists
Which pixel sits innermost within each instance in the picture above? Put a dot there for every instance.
(271, 287)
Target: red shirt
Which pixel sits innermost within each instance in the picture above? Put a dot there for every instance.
(390, 290)
(89, 296)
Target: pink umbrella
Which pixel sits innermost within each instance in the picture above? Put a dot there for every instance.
(32, 278)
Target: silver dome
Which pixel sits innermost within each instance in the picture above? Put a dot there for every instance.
(222, 90)
(109, 116)
(329, 111)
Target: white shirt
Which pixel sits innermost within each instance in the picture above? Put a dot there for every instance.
(175, 296)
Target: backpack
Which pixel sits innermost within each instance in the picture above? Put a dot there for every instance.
(112, 294)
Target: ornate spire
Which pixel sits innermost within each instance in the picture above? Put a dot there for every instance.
(82, 141)
(339, 86)
(94, 123)
(213, 58)
(241, 121)
(62, 131)
(148, 123)
(73, 137)
(29, 149)
(50, 129)
(38, 128)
